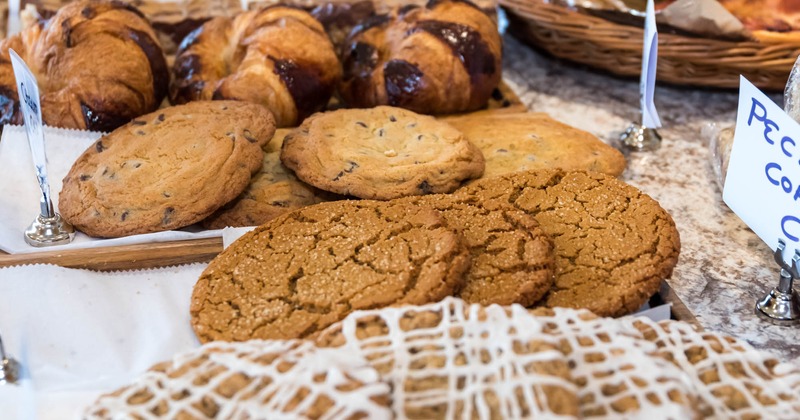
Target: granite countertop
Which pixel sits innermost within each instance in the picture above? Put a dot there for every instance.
(723, 267)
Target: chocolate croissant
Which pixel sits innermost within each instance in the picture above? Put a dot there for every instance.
(279, 57)
(439, 59)
(98, 64)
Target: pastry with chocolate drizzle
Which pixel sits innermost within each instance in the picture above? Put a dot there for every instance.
(279, 57)
(98, 64)
(439, 59)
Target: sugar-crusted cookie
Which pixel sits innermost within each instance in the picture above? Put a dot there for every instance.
(526, 141)
(167, 169)
(512, 259)
(253, 379)
(380, 153)
(307, 269)
(273, 191)
(613, 244)
(450, 360)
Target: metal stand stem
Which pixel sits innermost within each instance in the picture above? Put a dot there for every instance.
(782, 304)
(9, 368)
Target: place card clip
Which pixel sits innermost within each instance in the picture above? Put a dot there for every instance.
(782, 304)
(9, 368)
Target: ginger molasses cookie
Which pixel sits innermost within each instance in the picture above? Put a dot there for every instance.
(380, 153)
(253, 379)
(512, 259)
(613, 244)
(450, 360)
(274, 190)
(167, 169)
(526, 141)
(307, 269)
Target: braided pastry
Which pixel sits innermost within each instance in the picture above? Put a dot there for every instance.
(279, 57)
(98, 64)
(438, 59)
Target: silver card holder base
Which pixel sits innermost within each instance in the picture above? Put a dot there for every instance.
(49, 231)
(782, 305)
(639, 138)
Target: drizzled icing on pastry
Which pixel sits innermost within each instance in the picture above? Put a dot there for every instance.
(253, 379)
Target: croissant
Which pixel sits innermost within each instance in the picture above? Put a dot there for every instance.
(439, 59)
(98, 64)
(279, 57)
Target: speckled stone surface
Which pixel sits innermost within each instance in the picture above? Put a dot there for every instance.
(724, 267)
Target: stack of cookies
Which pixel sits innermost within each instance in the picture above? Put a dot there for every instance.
(542, 238)
(454, 360)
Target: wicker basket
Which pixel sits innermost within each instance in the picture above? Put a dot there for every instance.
(617, 48)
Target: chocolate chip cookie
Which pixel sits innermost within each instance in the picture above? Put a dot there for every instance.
(526, 141)
(167, 169)
(380, 153)
(273, 191)
(512, 258)
(613, 244)
(307, 269)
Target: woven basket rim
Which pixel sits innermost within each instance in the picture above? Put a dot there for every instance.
(683, 60)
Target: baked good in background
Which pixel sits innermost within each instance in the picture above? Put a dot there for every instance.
(252, 380)
(98, 64)
(513, 142)
(171, 20)
(167, 169)
(453, 360)
(305, 270)
(443, 58)
(273, 191)
(380, 153)
(279, 57)
(613, 244)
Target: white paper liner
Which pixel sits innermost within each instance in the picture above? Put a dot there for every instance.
(19, 201)
(79, 332)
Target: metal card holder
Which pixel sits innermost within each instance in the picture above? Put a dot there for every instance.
(9, 368)
(782, 305)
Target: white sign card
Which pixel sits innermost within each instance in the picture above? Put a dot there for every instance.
(763, 182)
(647, 83)
(28, 90)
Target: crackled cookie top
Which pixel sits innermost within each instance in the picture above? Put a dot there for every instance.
(380, 153)
(253, 379)
(309, 268)
(613, 244)
(451, 360)
(273, 191)
(512, 259)
(167, 169)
